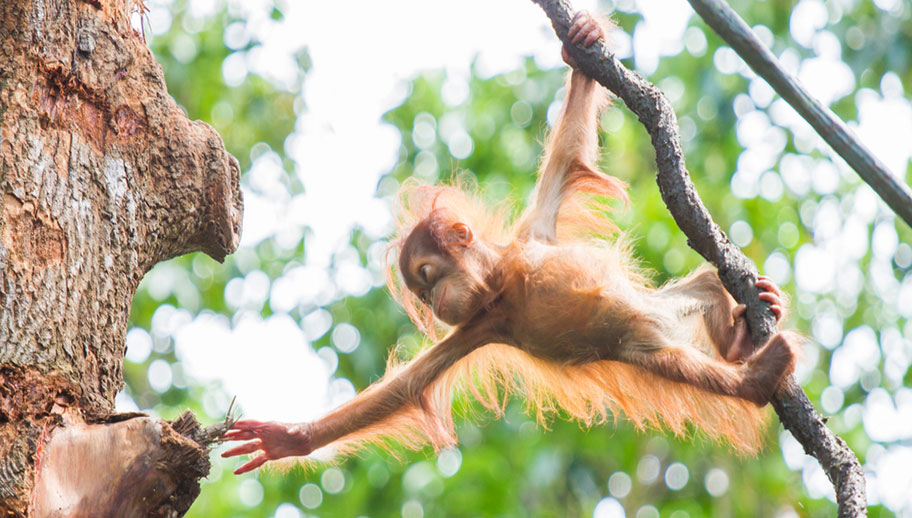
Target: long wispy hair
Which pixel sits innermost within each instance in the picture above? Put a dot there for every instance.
(592, 393)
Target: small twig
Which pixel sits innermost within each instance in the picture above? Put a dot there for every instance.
(738, 274)
(213, 433)
(727, 24)
(229, 421)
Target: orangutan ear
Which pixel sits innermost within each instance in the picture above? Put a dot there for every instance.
(462, 234)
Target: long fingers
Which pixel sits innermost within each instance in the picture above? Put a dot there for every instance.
(766, 296)
(595, 32)
(575, 25)
(766, 284)
(774, 302)
(250, 429)
(245, 430)
(247, 447)
(585, 32)
(584, 28)
(588, 32)
(252, 465)
(770, 294)
(239, 435)
(777, 310)
(248, 424)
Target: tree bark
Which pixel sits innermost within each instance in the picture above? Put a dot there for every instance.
(101, 176)
(737, 273)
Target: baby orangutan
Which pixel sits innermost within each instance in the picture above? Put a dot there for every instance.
(568, 322)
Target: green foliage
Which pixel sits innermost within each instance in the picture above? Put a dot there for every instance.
(510, 466)
(192, 54)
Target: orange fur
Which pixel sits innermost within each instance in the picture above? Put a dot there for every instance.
(415, 202)
(551, 307)
(597, 391)
(592, 393)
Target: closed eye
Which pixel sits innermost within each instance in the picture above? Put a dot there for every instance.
(425, 272)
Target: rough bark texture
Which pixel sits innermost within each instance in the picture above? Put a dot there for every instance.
(738, 274)
(101, 176)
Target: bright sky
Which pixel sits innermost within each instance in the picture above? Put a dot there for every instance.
(361, 65)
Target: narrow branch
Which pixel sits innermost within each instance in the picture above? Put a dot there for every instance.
(727, 24)
(738, 274)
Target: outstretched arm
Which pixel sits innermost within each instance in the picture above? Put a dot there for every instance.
(572, 148)
(407, 388)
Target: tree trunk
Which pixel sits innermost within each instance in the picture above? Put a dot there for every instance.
(101, 177)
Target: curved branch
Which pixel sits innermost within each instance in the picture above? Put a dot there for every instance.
(738, 274)
(727, 24)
